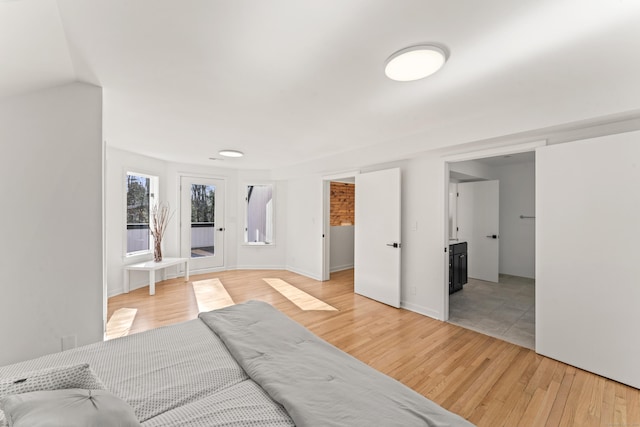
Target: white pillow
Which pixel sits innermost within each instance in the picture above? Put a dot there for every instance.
(73, 376)
(67, 408)
(61, 377)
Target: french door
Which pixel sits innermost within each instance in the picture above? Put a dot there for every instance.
(202, 222)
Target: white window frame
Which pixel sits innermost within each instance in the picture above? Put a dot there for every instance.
(245, 234)
(153, 198)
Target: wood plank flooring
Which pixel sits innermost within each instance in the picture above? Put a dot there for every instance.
(488, 381)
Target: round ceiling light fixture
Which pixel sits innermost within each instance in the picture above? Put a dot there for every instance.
(231, 153)
(415, 62)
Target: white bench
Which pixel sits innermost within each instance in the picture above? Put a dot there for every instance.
(151, 267)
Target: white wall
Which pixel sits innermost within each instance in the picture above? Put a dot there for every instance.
(587, 286)
(342, 246)
(172, 186)
(51, 220)
(517, 236)
(304, 226)
(237, 255)
(261, 256)
(423, 232)
(118, 162)
(424, 235)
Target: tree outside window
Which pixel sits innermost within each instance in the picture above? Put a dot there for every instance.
(139, 195)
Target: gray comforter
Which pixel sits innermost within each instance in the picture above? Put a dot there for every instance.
(318, 384)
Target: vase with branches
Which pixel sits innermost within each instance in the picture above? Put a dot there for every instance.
(160, 216)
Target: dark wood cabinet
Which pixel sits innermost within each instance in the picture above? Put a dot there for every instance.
(457, 266)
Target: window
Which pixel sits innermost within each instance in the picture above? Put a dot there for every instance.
(141, 189)
(203, 207)
(259, 220)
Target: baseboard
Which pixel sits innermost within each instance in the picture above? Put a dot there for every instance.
(205, 271)
(115, 292)
(259, 267)
(341, 267)
(434, 314)
(304, 273)
(134, 286)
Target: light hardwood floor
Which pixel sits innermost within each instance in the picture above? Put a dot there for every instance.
(488, 381)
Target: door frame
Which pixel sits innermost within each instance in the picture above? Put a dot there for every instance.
(326, 219)
(224, 179)
(471, 155)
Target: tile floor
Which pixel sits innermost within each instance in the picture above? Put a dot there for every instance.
(504, 310)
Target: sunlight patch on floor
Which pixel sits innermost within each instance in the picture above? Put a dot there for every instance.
(300, 298)
(211, 294)
(120, 323)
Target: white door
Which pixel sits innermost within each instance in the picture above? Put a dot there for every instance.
(202, 222)
(478, 224)
(377, 236)
(587, 253)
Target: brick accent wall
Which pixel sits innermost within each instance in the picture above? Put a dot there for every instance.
(343, 203)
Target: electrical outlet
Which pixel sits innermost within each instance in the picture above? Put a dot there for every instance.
(413, 290)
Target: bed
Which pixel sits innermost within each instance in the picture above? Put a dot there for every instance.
(244, 365)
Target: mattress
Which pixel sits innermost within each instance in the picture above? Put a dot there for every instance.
(174, 375)
(242, 365)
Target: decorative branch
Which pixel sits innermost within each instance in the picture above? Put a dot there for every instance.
(160, 216)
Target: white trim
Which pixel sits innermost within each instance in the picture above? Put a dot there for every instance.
(225, 202)
(326, 230)
(326, 219)
(445, 300)
(341, 268)
(303, 273)
(243, 186)
(154, 195)
(201, 175)
(259, 267)
(420, 310)
(206, 270)
(105, 288)
(470, 155)
(340, 175)
(497, 151)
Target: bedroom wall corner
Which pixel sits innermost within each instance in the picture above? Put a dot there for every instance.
(51, 227)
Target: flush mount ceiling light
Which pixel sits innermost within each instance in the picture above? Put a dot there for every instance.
(415, 62)
(231, 153)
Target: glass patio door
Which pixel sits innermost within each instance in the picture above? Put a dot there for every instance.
(202, 222)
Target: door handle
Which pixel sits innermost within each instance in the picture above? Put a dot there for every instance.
(395, 245)
(221, 229)
(493, 236)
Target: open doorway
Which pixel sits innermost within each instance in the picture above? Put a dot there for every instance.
(339, 225)
(377, 234)
(502, 305)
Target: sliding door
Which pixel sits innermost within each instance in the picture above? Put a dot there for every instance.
(587, 251)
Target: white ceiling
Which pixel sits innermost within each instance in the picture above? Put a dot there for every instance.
(290, 82)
